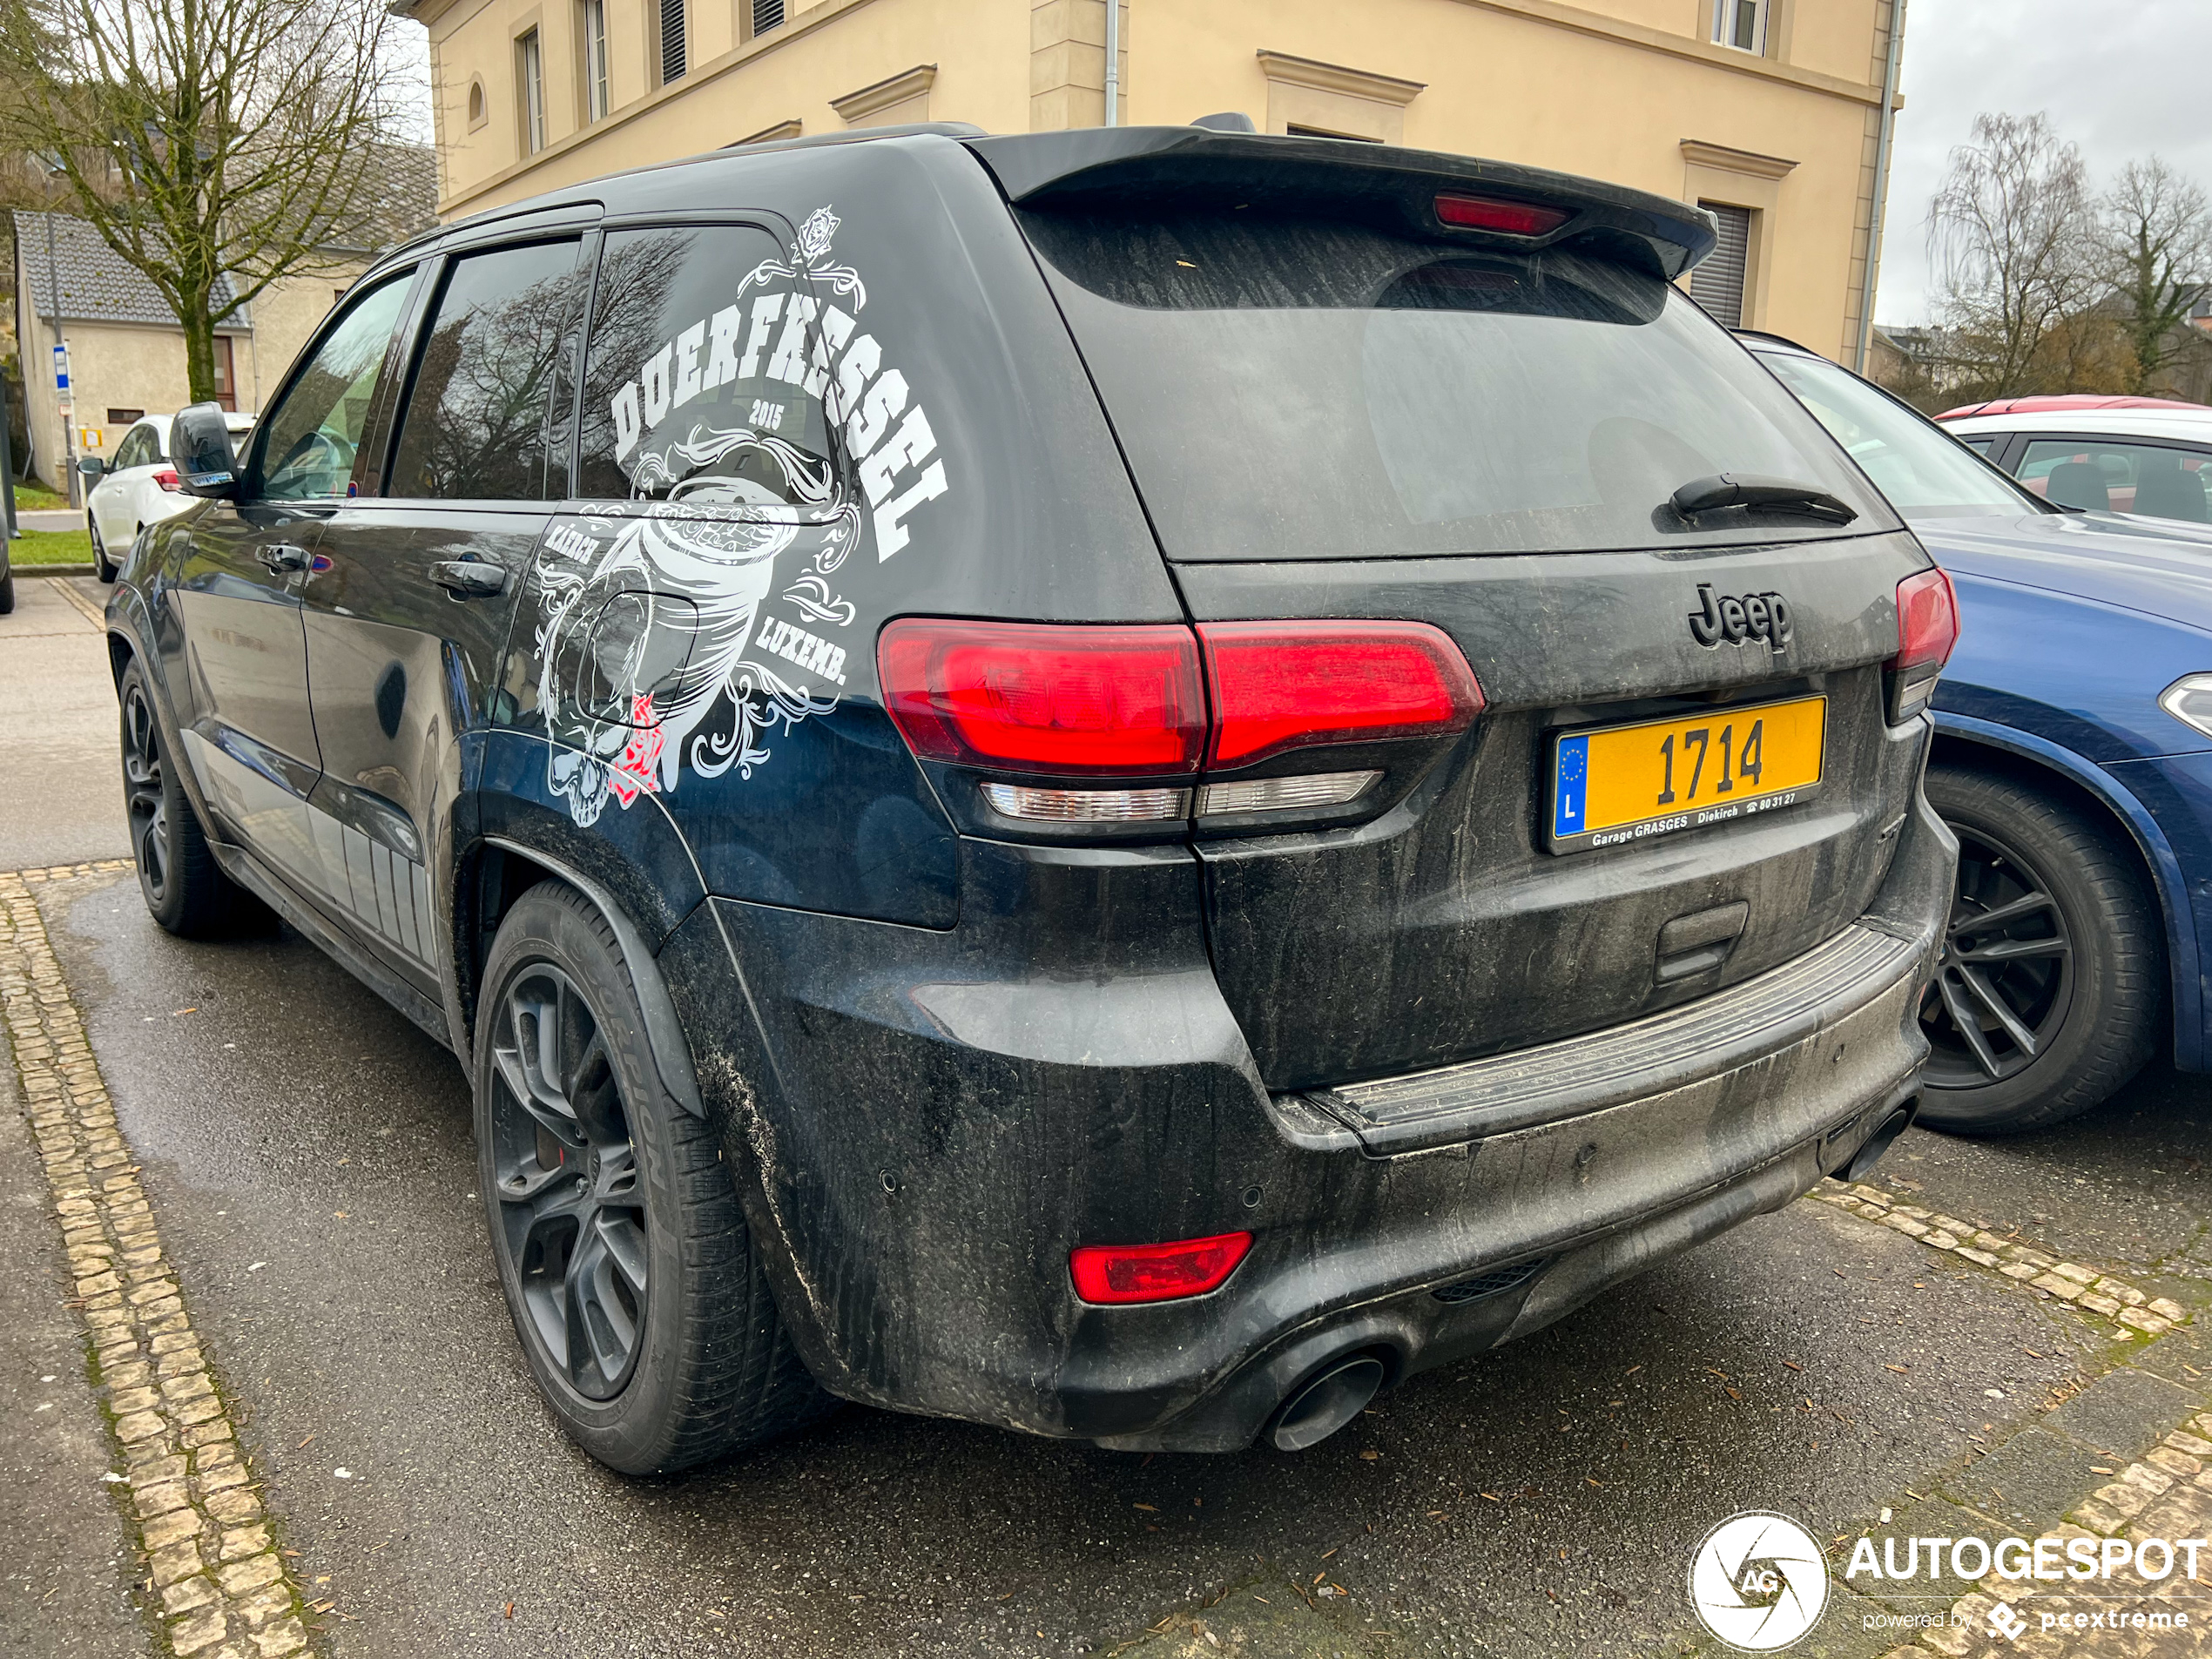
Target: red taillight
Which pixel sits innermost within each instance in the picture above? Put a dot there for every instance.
(1049, 698)
(1927, 620)
(1280, 685)
(166, 479)
(1156, 1273)
(1488, 213)
(1927, 629)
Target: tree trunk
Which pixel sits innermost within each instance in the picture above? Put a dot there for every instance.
(199, 347)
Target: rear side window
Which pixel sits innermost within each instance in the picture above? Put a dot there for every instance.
(311, 435)
(1293, 388)
(699, 385)
(2152, 479)
(478, 424)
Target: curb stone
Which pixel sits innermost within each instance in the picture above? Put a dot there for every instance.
(2128, 1313)
(221, 1589)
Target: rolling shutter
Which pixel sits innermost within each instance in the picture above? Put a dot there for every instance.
(1717, 284)
(766, 15)
(672, 56)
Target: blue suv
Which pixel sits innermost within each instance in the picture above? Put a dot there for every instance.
(2074, 761)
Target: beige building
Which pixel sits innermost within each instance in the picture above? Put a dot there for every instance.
(1769, 112)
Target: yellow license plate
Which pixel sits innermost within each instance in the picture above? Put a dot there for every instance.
(1621, 783)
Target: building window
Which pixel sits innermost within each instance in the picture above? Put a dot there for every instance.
(225, 375)
(672, 63)
(476, 105)
(530, 71)
(1741, 23)
(1717, 284)
(766, 15)
(594, 35)
(123, 417)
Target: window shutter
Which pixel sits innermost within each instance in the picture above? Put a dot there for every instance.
(1717, 284)
(766, 15)
(671, 41)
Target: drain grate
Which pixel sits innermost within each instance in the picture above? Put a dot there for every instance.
(1497, 1281)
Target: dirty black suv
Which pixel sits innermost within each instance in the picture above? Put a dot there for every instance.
(1125, 783)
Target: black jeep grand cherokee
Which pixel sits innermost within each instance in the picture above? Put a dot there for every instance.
(1126, 782)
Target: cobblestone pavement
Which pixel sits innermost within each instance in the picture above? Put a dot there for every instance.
(1880, 1361)
(221, 1585)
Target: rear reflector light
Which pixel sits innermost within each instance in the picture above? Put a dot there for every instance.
(1156, 1273)
(1087, 806)
(1487, 213)
(166, 480)
(1927, 629)
(1280, 795)
(1280, 685)
(1040, 697)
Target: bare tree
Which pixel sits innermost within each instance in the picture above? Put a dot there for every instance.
(207, 139)
(2015, 241)
(2158, 258)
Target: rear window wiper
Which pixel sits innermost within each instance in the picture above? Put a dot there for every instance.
(1758, 493)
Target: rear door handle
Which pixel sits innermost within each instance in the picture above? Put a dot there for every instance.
(469, 578)
(283, 558)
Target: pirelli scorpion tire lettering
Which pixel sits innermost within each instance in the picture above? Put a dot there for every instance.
(2048, 996)
(627, 1264)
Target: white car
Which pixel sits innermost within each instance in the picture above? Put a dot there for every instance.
(2124, 454)
(138, 487)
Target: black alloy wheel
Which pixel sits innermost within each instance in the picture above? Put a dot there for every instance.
(2006, 984)
(2049, 992)
(635, 1284)
(184, 888)
(572, 1216)
(145, 792)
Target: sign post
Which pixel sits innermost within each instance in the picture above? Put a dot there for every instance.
(66, 403)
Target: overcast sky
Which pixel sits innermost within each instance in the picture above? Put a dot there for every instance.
(2119, 77)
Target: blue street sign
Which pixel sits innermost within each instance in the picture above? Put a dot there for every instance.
(61, 368)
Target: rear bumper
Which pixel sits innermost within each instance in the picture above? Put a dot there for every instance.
(928, 1126)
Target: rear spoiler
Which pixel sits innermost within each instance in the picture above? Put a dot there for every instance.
(1094, 169)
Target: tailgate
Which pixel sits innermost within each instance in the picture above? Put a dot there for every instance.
(1469, 401)
(1448, 927)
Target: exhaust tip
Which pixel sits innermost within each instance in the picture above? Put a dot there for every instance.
(1325, 1402)
(1871, 1149)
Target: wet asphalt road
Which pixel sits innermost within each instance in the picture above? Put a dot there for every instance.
(61, 797)
(310, 1156)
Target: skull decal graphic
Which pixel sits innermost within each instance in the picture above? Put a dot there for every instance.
(690, 624)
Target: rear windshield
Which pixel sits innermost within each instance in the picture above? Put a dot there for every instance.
(1290, 389)
(1923, 469)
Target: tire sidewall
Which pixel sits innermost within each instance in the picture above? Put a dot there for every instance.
(1974, 804)
(551, 924)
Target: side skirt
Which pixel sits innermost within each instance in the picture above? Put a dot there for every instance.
(250, 873)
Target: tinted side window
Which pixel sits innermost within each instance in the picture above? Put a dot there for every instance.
(705, 379)
(313, 431)
(135, 450)
(477, 425)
